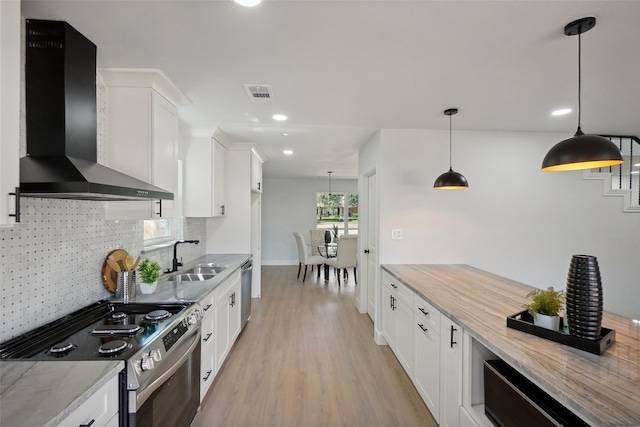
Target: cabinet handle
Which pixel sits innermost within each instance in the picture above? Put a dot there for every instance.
(87, 425)
(422, 327)
(394, 286)
(426, 313)
(221, 209)
(366, 251)
(17, 209)
(207, 376)
(452, 341)
(394, 303)
(391, 302)
(207, 337)
(258, 186)
(207, 307)
(159, 202)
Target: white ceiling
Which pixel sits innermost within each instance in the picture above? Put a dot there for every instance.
(341, 70)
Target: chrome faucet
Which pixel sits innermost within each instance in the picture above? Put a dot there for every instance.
(175, 262)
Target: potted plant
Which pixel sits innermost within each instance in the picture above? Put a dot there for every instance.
(545, 307)
(149, 274)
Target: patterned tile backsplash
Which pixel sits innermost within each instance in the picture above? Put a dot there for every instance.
(51, 263)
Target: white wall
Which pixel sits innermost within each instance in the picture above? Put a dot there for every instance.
(514, 220)
(289, 205)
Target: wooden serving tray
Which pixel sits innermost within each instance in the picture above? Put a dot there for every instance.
(109, 276)
(523, 321)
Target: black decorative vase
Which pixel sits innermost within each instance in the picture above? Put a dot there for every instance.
(584, 297)
(327, 237)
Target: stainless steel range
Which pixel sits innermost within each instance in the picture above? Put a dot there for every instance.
(160, 344)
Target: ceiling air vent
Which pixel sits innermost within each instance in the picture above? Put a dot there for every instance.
(260, 94)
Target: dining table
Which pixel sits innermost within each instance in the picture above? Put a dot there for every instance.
(327, 250)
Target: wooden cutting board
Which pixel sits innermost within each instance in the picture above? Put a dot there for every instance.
(109, 275)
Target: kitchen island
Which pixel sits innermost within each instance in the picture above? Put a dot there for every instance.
(602, 390)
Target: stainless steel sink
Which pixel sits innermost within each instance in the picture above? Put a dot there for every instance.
(191, 277)
(208, 268)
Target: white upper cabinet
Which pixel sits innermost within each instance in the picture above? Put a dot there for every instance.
(256, 173)
(205, 165)
(143, 136)
(9, 108)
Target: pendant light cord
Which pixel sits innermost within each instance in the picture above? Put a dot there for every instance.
(450, 142)
(579, 80)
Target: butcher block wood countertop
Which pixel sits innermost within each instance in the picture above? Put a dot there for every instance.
(604, 390)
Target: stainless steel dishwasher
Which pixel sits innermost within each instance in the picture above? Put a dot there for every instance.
(245, 281)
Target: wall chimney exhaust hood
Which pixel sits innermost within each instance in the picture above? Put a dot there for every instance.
(61, 120)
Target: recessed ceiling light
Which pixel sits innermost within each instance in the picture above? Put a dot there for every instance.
(285, 134)
(288, 152)
(279, 117)
(635, 172)
(561, 112)
(248, 3)
(637, 164)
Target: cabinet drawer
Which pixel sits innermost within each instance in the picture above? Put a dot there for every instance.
(427, 312)
(207, 368)
(101, 407)
(400, 290)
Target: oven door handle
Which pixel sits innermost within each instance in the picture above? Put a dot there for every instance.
(158, 382)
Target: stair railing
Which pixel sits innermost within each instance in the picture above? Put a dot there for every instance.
(626, 177)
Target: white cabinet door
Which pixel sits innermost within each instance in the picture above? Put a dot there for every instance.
(450, 372)
(427, 364)
(222, 330)
(404, 338)
(9, 108)
(219, 179)
(389, 319)
(98, 410)
(204, 178)
(256, 173)
(143, 143)
(234, 312)
(165, 123)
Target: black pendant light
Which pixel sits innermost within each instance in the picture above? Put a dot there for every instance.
(451, 180)
(581, 151)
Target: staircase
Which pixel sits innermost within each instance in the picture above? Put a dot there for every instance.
(622, 180)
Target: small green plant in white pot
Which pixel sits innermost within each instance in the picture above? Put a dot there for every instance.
(149, 271)
(545, 307)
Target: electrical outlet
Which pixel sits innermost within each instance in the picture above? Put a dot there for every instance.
(396, 233)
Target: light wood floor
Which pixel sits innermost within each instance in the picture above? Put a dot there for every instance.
(308, 358)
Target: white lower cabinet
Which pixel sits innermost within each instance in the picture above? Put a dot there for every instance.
(428, 345)
(99, 410)
(227, 314)
(397, 320)
(220, 329)
(207, 344)
(450, 372)
(427, 357)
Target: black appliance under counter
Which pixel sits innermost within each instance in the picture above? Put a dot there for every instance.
(58, 387)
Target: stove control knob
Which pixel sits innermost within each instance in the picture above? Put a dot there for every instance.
(192, 319)
(146, 364)
(156, 355)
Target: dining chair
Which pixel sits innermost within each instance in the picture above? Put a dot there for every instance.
(347, 255)
(317, 238)
(304, 258)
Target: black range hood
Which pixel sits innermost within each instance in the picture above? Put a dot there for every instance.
(61, 118)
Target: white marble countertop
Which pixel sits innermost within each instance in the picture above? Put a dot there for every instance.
(605, 389)
(169, 291)
(37, 394)
(44, 393)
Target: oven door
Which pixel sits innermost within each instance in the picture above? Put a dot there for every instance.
(172, 399)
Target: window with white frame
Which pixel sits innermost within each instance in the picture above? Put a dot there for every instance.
(337, 212)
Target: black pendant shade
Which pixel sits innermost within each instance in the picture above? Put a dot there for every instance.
(581, 151)
(451, 180)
